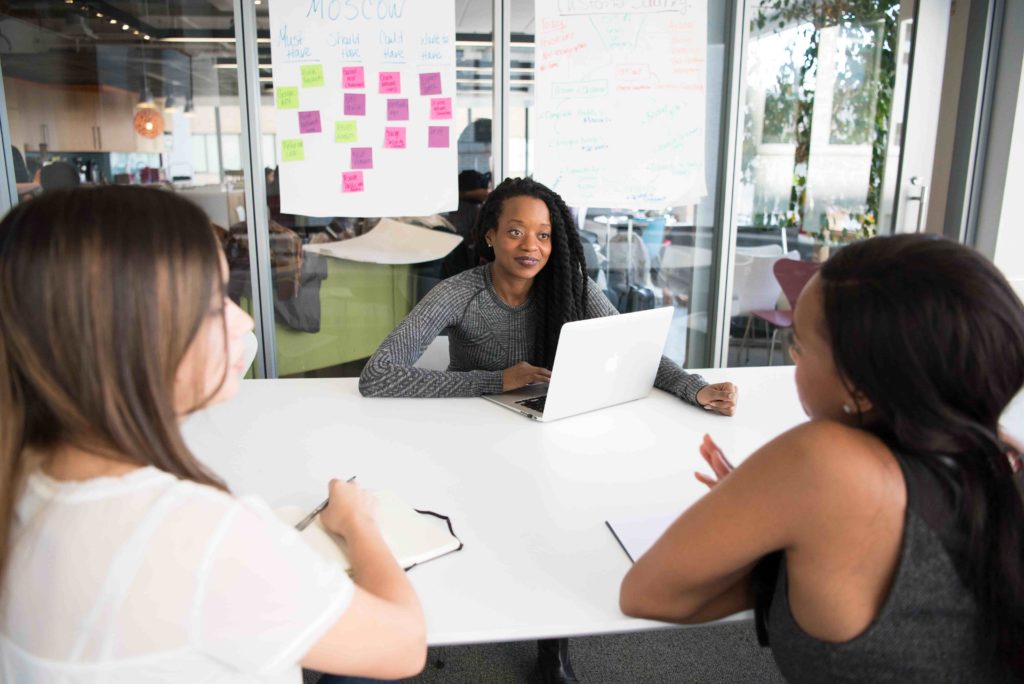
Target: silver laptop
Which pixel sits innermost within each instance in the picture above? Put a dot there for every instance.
(600, 362)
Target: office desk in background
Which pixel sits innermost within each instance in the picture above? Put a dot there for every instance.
(529, 500)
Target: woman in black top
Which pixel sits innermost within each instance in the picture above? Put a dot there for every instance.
(884, 539)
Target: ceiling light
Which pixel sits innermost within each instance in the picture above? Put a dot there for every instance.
(190, 109)
(99, 15)
(125, 27)
(135, 32)
(146, 37)
(170, 104)
(197, 39)
(113, 21)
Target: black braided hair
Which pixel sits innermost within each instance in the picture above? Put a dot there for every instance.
(560, 289)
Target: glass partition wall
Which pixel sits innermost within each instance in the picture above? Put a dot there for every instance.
(823, 100)
(330, 314)
(138, 91)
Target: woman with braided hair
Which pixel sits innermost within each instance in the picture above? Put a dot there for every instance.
(503, 320)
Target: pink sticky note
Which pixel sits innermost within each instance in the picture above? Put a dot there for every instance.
(398, 110)
(390, 81)
(355, 104)
(430, 84)
(440, 108)
(352, 181)
(352, 77)
(394, 138)
(437, 136)
(309, 122)
(362, 157)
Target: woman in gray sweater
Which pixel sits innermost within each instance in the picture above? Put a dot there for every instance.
(503, 320)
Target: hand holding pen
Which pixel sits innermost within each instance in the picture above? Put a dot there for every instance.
(348, 507)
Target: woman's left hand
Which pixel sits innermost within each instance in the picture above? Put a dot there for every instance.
(720, 398)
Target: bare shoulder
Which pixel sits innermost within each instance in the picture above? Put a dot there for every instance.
(835, 467)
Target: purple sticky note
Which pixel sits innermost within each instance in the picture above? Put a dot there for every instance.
(440, 108)
(352, 77)
(430, 84)
(394, 138)
(437, 136)
(309, 122)
(390, 82)
(398, 110)
(352, 181)
(355, 104)
(362, 157)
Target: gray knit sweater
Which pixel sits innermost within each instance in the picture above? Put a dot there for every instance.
(485, 336)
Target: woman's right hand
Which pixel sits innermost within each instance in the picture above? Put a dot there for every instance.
(716, 459)
(523, 374)
(349, 507)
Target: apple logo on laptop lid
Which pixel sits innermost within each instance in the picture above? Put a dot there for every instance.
(612, 364)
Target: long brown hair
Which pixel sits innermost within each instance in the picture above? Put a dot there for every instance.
(101, 292)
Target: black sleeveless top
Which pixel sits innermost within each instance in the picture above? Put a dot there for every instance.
(926, 629)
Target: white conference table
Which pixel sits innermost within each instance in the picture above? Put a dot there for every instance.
(528, 500)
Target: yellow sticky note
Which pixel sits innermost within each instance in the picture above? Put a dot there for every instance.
(287, 98)
(345, 132)
(312, 75)
(292, 150)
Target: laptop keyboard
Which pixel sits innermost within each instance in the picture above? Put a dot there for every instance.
(536, 403)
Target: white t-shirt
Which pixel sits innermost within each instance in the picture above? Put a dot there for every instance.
(146, 578)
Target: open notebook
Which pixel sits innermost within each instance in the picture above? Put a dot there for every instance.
(413, 537)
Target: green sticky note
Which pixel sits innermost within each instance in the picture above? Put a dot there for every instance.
(345, 131)
(287, 98)
(312, 75)
(292, 150)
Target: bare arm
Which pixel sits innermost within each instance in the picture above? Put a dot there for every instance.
(382, 633)
(700, 568)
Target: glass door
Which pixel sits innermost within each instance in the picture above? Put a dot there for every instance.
(826, 127)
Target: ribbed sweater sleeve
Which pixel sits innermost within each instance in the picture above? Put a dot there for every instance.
(390, 371)
(671, 377)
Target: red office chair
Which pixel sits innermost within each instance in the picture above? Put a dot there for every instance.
(792, 276)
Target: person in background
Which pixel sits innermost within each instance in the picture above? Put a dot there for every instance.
(883, 540)
(473, 189)
(26, 181)
(122, 558)
(59, 175)
(503, 321)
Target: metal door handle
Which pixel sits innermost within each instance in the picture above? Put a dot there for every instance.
(922, 198)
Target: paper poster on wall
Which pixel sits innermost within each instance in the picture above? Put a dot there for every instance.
(364, 94)
(620, 90)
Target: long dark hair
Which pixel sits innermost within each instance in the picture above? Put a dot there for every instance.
(101, 292)
(933, 335)
(560, 289)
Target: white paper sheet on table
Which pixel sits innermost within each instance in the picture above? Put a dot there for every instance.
(637, 535)
(391, 242)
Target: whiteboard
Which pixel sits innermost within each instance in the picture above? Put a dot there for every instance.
(620, 90)
(364, 93)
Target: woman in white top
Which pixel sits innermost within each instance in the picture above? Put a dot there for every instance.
(122, 558)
